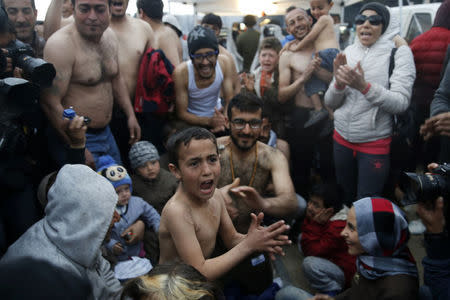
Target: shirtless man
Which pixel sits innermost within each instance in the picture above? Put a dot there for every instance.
(256, 165)
(214, 22)
(85, 55)
(134, 37)
(198, 82)
(151, 11)
(196, 214)
(295, 69)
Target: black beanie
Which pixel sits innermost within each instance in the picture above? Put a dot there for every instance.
(201, 37)
(381, 10)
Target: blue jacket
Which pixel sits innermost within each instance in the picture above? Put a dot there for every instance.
(136, 209)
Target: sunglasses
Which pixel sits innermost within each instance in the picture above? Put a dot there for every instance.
(374, 20)
(210, 56)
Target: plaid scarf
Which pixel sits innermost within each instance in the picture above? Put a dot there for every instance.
(383, 233)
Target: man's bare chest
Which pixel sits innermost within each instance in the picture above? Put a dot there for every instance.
(93, 66)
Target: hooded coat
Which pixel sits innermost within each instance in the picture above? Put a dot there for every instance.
(360, 118)
(80, 207)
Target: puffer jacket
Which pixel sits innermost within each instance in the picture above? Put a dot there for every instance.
(362, 118)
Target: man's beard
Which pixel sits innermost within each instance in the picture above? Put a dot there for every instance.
(240, 147)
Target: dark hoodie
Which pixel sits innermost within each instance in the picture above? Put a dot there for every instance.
(78, 214)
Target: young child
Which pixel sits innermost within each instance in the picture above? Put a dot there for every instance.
(327, 266)
(150, 182)
(130, 209)
(323, 37)
(196, 214)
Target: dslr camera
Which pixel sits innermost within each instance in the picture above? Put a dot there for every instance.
(19, 114)
(34, 69)
(426, 188)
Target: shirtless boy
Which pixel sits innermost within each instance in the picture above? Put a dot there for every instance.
(323, 37)
(85, 55)
(196, 214)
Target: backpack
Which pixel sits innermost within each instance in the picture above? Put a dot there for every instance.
(155, 87)
(404, 127)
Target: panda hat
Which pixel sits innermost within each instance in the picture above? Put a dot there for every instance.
(116, 174)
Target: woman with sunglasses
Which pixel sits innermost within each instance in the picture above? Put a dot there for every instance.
(365, 97)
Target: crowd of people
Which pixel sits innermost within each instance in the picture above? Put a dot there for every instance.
(154, 167)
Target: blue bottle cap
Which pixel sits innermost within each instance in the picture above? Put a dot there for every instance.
(69, 113)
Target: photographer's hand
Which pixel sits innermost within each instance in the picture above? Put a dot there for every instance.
(432, 215)
(76, 131)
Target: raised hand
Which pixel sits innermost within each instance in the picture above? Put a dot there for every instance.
(231, 208)
(268, 239)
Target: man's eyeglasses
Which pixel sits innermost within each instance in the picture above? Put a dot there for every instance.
(210, 56)
(239, 124)
(374, 20)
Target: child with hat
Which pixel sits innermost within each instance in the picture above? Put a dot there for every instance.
(153, 184)
(130, 209)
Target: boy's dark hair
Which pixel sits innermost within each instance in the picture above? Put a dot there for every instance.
(331, 195)
(185, 137)
(292, 7)
(212, 19)
(249, 21)
(151, 8)
(270, 43)
(245, 102)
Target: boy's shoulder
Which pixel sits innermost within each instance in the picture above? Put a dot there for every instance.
(326, 20)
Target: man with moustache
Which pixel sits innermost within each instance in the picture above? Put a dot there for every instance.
(295, 69)
(23, 14)
(250, 166)
(198, 82)
(88, 78)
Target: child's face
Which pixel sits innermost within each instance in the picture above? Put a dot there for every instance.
(315, 206)
(320, 8)
(268, 58)
(350, 234)
(198, 169)
(123, 191)
(149, 170)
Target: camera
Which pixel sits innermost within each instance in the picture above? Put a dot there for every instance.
(18, 106)
(35, 69)
(426, 187)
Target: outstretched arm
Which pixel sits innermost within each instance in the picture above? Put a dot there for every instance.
(285, 201)
(60, 54)
(53, 18)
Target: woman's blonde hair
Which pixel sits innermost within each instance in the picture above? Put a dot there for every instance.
(171, 282)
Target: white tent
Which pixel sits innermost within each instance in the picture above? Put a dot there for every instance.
(243, 7)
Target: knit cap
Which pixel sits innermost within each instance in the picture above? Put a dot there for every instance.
(142, 152)
(201, 37)
(381, 10)
(116, 174)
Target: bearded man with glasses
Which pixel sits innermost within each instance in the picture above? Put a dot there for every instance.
(250, 166)
(198, 82)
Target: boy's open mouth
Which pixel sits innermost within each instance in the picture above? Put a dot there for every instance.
(206, 186)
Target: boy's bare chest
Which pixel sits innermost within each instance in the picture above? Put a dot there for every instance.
(206, 222)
